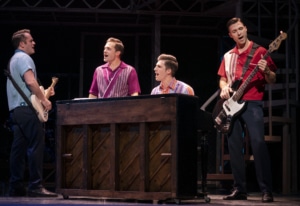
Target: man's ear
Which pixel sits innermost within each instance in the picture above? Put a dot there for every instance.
(118, 53)
(21, 44)
(169, 70)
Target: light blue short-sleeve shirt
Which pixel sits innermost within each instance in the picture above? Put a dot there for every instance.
(19, 64)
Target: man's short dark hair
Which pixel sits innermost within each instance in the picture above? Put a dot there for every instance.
(19, 36)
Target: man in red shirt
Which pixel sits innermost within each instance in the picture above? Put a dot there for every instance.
(251, 117)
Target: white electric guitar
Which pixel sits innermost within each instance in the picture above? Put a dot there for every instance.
(37, 104)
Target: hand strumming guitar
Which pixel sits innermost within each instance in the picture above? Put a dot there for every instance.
(47, 104)
(50, 90)
(225, 89)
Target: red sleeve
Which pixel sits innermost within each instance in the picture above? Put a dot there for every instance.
(221, 71)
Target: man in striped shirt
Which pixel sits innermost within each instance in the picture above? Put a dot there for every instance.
(115, 78)
(165, 70)
(252, 115)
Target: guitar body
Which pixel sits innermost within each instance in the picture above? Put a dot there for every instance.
(37, 104)
(232, 107)
(224, 112)
(226, 109)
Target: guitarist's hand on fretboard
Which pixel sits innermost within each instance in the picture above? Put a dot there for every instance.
(262, 64)
(50, 90)
(270, 76)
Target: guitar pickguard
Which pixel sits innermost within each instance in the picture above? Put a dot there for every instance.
(225, 112)
(232, 107)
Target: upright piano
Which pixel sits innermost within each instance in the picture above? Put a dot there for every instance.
(140, 147)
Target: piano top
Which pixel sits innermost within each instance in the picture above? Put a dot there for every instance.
(84, 100)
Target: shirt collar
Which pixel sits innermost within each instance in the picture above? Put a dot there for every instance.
(171, 85)
(122, 65)
(236, 50)
(19, 50)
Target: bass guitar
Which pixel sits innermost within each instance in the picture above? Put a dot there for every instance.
(37, 104)
(226, 110)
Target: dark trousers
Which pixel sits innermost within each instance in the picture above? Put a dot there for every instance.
(28, 142)
(252, 117)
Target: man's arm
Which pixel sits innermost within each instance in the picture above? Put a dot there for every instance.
(225, 89)
(35, 89)
(133, 83)
(135, 94)
(270, 76)
(92, 96)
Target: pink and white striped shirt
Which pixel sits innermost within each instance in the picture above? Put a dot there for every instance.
(121, 82)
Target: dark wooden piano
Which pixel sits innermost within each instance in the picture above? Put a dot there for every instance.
(142, 147)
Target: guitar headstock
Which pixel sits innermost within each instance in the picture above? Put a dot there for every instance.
(276, 43)
(54, 80)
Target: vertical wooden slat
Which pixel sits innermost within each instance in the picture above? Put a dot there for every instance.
(143, 151)
(59, 167)
(114, 177)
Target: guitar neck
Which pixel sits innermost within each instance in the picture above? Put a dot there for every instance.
(54, 81)
(238, 94)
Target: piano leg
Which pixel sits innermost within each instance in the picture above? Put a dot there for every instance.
(204, 161)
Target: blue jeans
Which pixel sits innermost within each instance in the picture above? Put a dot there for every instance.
(253, 118)
(28, 142)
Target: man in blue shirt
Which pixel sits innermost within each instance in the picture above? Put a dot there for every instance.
(27, 128)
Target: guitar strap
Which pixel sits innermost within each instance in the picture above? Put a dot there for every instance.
(249, 57)
(7, 73)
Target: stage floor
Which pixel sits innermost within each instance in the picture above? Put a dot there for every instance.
(215, 200)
